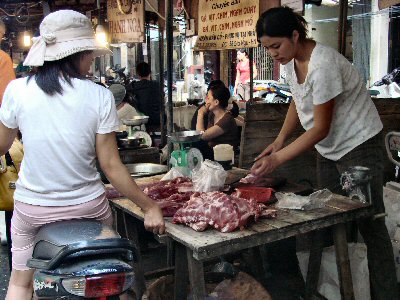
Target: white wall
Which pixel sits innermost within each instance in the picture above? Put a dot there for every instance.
(324, 33)
(379, 44)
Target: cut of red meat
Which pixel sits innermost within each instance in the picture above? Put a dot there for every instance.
(170, 205)
(169, 194)
(260, 194)
(253, 180)
(193, 211)
(224, 213)
(268, 213)
(201, 210)
(246, 209)
(250, 178)
(199, 226)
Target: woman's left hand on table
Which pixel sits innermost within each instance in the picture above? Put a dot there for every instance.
(153, 220)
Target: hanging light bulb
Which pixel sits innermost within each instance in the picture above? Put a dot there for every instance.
(27, 39)
(101, 35)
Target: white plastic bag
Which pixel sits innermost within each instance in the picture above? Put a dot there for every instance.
(391, 199)
(176, 172)
(396, 252)
(209, 177)
(293, 201)
(328, 284)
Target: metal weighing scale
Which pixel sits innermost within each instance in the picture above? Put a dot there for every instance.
(186, 156)
(135, 129)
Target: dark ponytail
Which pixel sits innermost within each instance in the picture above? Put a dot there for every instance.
(48, 77)
(281, 22)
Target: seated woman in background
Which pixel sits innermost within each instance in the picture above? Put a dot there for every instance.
(232, 107)
(221, 127)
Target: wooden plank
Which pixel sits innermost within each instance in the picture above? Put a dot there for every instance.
(196, 275)
(265, 5)
(132, 234)
(181, 272)
(129, 207)
(212, 243)
(343, 262)
(266, 111)
(314, 264)
(224, 66)
(148, 180)
(252, 257)
(270, 129)
(387, 106)
(343, 203)
(263, 237)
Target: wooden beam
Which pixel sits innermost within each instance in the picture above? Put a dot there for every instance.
(224, 66)
(342, 26)
(192, 7)
(265, 5)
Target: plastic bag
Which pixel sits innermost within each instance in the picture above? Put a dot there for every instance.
(396, 252)
(391, 199)
(176, 172)
(328, 284)
(293, 201)
(209, 177)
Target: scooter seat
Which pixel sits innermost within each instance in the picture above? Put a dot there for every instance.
(64, 240)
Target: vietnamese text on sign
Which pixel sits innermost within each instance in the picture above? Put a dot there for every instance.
(227, 24)
(128, 28)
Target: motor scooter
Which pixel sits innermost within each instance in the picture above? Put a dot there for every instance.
(81, 259)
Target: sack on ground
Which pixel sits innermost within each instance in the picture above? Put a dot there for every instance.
(328, 285)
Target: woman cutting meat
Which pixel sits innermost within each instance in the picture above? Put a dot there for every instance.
(221, 127)
(341, 122)
(66, 121)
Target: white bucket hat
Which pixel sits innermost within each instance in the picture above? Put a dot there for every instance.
(63, 33)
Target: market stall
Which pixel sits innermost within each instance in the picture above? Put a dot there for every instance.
(192, 248)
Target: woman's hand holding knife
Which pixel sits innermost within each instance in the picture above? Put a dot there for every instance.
(268, 160)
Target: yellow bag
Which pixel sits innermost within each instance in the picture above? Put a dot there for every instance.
(9, 166)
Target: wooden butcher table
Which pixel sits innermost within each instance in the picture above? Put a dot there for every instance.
(193, 248)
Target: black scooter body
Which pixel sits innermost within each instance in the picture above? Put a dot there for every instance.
(77, 248)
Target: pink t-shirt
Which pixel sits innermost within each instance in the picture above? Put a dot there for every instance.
(244, 69)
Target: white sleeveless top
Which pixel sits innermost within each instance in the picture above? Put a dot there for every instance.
(331, 76)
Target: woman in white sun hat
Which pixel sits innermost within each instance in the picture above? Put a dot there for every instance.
(66, 121)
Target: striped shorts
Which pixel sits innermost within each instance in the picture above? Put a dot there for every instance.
(27, 220)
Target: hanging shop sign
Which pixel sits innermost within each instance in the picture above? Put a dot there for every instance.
(227, 24)
(386, 3)
(126, 20)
